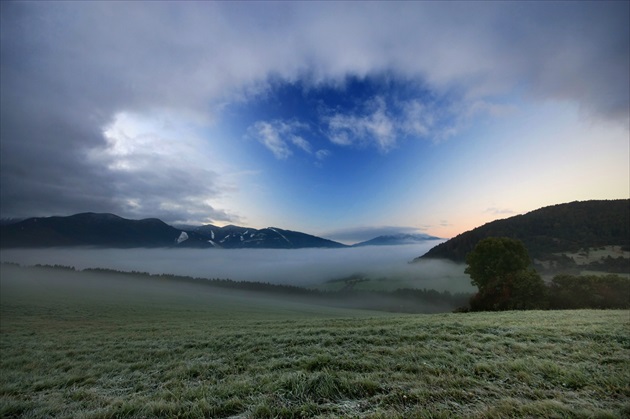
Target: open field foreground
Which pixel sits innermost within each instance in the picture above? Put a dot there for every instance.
(80, 345)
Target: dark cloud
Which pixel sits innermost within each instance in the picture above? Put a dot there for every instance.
(66, 73)
(581, 53)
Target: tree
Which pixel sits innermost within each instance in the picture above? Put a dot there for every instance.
(500, 268)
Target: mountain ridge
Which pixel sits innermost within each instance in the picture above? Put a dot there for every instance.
(110, 230)
(555, 235)
(397, 239)
(236, 237)
(94, 229)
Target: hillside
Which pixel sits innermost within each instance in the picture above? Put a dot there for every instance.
(557, 236)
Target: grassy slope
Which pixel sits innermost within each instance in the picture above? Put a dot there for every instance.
(74, 345)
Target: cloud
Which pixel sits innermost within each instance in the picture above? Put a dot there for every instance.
(69, 68)
(160, 170)
(269, 136)
(277, 135)
(322, 154)
(301, 143)
(418, 121)
(383, 121)
(374, 126)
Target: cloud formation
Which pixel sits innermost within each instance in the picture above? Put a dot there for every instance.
(69, 68)
(380, 121)
(160, 170)
(277, 136)
(374, 126)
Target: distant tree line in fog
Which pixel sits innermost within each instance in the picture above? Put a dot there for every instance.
(519, 290)
(589, 291)
(400, 300)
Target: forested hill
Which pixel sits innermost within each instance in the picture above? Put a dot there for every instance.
(551, 230)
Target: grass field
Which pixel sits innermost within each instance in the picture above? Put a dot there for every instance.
(75, 344)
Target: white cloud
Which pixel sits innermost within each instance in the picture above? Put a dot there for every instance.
(322, 154)
(418, 121)
(277, 135)
(301, 143)
(269, 136)
(384, 120)
(373, 126)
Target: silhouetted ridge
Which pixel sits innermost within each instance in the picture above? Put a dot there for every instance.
(93, 229)
(554, 229)
(109, 230)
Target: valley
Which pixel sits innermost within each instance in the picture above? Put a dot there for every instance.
(78, 345)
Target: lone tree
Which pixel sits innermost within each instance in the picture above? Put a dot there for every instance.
(500, 268)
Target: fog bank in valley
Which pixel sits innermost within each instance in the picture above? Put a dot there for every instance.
(302, 267)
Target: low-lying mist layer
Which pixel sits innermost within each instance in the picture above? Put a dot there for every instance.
(302, 267)
(110, 287)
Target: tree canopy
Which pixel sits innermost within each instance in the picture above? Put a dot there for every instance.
(496, 257)
(500, 268)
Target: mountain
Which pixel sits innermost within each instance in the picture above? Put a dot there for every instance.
(7, 221)
(396, 239)
(109, 230)
(91, 229)
(235, 237)
(593, 233)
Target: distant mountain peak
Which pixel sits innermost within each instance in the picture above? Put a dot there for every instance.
(397, 239)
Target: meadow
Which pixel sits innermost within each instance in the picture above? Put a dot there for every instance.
(87, 345)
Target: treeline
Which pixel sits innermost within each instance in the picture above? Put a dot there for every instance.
(562, 293)
(563, 264)
(401, 300)
(589, 291)
(217, 282)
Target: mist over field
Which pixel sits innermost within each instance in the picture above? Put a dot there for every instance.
(300, 267)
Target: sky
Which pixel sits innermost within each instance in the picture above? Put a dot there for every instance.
(347, 120)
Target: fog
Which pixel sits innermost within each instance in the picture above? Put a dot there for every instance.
(301, 267)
